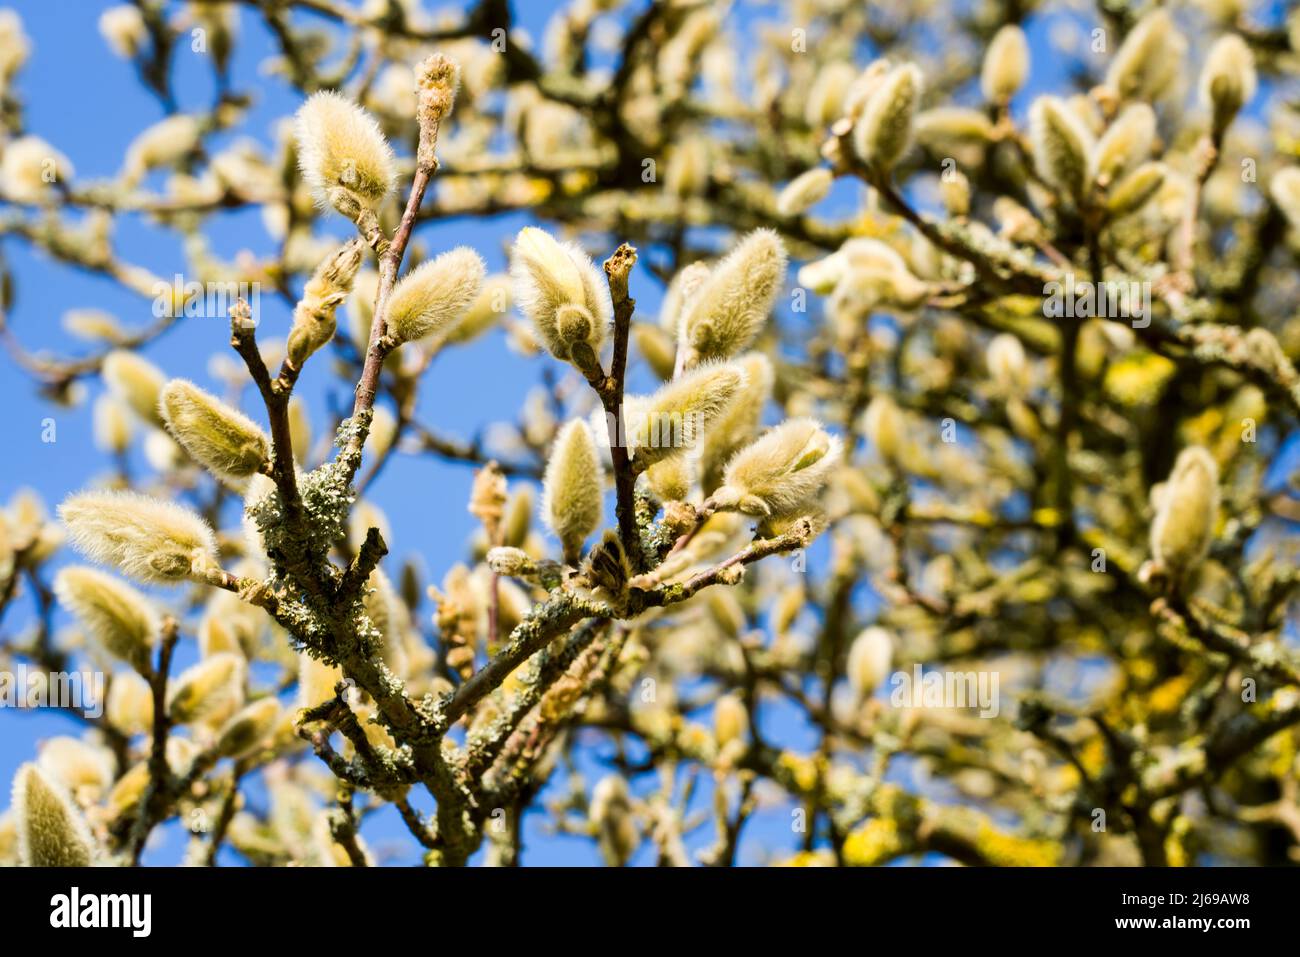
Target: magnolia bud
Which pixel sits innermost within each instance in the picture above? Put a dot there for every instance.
(208, 692)
(248, 728)
(675, 418)
(730, 720)
(563, 294)
(1006, 64)
(511, 562)
(726, 313)
(313, 316)
(870, 657)
(1061, 146)
(51, 831)
(1186, 511)
(883, 425)
(883, 132)
(804, 191)
(136, 382)
(1124, 145)
(130, 703)
(430, 298)
(112, 425)
(781, 472)
(1149, 59)
(492, 302)
(343, 155)
(1134, 191)
(117, 617)
(1005, 358)
(84, 769)
(739, 421)
(1227, 80)
(572, 488)
(1285, 190)
(223, 440)
(148, 539)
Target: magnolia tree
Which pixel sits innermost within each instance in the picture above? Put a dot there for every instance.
(971, 370)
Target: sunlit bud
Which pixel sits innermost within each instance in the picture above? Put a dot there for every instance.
(84, 769)
(123, 29)
(1149, 60)
(573, 488)
(954, 190)
(1227, 80)
(51, 831)
(611, 814)
(870, 657)
(435, 85)
(729, 309)
(675, 418)
(492, 302)
(162, 144)
(1016, 223)
(1007, 364)
(148, 539)
(14, 45)
(884, 131)
(1137, 188)
(1125, 144)
(657, 348)
(883, 425)
(316, 681)
(563, 294)
(209, 691)
(782, 472)
(130, 703)
(248, 728)
(313, 316)
(430, 298)
(1186, 511)
(681, 290)
(343, 155)
(669, 480)
(116, 616)
(29, 167)
(804, 191)
(863, 87)
(221, 439)
(825, 101)
(518, 517)
(299, 430)
(730, 720)
(113, 425)
(1285, 190)
(1061, 145)
(387, 613)
(136, 382)
(511, 562)
(1006, 64)
(686, 173)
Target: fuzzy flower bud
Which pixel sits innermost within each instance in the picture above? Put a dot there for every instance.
(1007, 364)
(884, 131)
(511, 562)
(675, 418)
(130, 703)
(209, 691)
(113, 425)
(1227, 80)
(563, 294)
(116, 616)
(29, 167)
(313, 316)
(782, 472)
(1149, 59)
(343, 155)
(1006, 64)
(493, 301)
(248, 728)
(1186, 509)
(1284, 188)
(730, 307)
(883, 425)
(221, 439)
(51, 831)
(739, 421)
(870, 657)
(430, 298)
(162, 144)
(123, 29)
(83, 768)
(730, 720)
(136, 382)
(1134, 191)
(1061, 145)
(572, 488)
(435, 90)
(148, 539)
(1124, 145)
(804, 191)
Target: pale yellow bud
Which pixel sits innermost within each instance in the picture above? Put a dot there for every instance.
(387, 613)
(343, 155)
(729, 309)
(113, 426)
(681, 290)
(435, 86)
(804, 191)
(563, 294)
(1285, 190)
(316, 681)
(162, 144)
(148, 539)
(1125, 144)
(884, 131)
(14, 45)
(208, 692)
(884, 427)
(115, 615)
(1136, 189)
(782, 472)
(492, 302)
(1006, 64)
(511, 562)
(825, 101)
(1227, 80)
(870, 657)
(84, 769)
(123, 29)
(954, 191)
(313, 317)
(130, 703)
(29, 167)
(573, 489)
(1007, 364)
(136, 382)
(657, 348)
(432, 297)
(739, 421)
(299, 430)
(1186, 512)
(730, 720)
(1149, 60)
(675, 418)
(221, 439)
(248, 728)
(51, 831)
(1061, 146)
